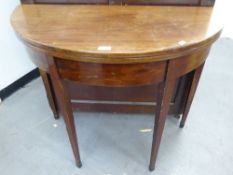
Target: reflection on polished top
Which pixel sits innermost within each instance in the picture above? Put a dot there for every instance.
(116, 34)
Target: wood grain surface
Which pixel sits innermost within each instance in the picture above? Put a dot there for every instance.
(116, 34)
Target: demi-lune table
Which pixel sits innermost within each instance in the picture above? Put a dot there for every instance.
(118, 46)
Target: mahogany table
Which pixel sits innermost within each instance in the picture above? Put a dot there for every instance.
(118, 46)
(124, 99)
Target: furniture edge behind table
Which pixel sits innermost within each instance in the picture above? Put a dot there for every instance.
(115, 69)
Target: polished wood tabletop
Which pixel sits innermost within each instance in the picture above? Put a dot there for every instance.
(116, 34)
(118, 47)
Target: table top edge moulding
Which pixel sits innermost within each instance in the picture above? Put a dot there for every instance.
(111, 41)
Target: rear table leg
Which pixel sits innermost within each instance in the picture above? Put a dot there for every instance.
(50, 93)
(192, 89)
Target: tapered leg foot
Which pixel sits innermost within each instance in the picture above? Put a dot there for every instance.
(56, 116)
(79, 164)
(181, 125)
(151, 168)
(177, 116)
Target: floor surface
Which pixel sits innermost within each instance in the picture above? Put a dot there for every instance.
(32, 142)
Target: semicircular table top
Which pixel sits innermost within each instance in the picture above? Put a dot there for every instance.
(116, 34)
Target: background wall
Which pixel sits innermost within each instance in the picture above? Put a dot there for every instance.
(227, 14)
(14, 61)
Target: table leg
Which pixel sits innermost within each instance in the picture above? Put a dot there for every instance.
(66, 109)
(192, 89)
(163, 101)
(50, 93)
